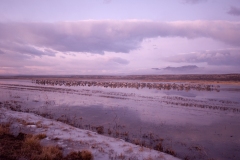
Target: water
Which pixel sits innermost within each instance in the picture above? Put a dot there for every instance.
(193, 124)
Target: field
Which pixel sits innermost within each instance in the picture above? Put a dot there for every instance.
(186, 116)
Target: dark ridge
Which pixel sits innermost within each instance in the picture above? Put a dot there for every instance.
(182, 68)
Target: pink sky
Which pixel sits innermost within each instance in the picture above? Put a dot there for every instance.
(113, 37)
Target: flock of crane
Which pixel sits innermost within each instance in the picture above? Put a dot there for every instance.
(137, 85)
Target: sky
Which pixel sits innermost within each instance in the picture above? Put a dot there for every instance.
(119, 37)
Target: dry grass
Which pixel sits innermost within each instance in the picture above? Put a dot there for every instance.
(28, 147)
(170, 151)
(149, 158)
(41, 136)
(22, 121)
(31, 143)
(141, 149)
(31, 148)
(50, 153)
(86, 155)
(83, 155)
(39, 124)
(121, 156)
(4, 129)
(129, 150)
(100, 129)
(159, 147)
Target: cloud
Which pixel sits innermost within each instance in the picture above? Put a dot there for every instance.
(193, 1)
(119, 60)
(1, 52)
(229, 57)
(99, 36)
(234, 11)
(23, 48)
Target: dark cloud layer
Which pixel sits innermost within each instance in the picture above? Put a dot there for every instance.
(230, 57)
(234, 11)
(108, 35)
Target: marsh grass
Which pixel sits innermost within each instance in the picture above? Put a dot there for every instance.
(26, 146)
(4, 129)
(159, 147)
(100, 129)
(170, 151)
(41, 136)
(83, 155)
(49, 153)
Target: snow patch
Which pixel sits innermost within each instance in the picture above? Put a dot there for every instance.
(71, 138)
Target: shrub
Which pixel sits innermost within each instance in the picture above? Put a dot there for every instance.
(41, 136)
(100, 129)
(83, 155)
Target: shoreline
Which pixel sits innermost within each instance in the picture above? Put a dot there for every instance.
(212, 79)
(73, 139)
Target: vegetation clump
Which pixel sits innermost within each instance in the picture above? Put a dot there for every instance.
(159, 147)
(83, 155)
(100, 129)
(170, 151)
(24, 146)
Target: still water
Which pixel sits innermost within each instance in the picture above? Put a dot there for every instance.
(189, 124)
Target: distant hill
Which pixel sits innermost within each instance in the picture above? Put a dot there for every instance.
(156, 68)
(178, 69)
(182, 68)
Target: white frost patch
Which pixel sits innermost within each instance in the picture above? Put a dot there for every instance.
(102, 147)
(32, 126)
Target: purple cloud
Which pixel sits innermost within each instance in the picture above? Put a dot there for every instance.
(108, 35)
(22, 48)
(119, 60)
(1, 52)
(234, 11)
